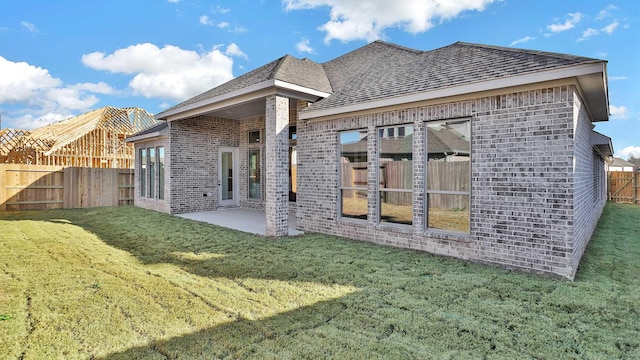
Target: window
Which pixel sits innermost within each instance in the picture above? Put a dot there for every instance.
(353, 174)
(143, 172)
(254, 174)
(160, 172)
(152, 172)
(254, 137)
(395, 175)
(293, 134)
(448, 175)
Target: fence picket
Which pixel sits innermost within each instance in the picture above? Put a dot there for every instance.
(27, 187)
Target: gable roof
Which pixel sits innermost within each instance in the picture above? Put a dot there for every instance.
(622, 163)
(305, 73)
(382, 70)
(57, 135)
(382, 74)
(160, 129)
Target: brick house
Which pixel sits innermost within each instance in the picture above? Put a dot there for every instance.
(478, 152)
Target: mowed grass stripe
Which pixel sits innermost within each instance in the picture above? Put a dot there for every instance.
(129, 283)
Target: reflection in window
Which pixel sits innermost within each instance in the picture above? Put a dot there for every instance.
(395, 174)
(353, 174)
(143, 172)
(152, 172)
(254, 174)
(161, 172)
(448, 175)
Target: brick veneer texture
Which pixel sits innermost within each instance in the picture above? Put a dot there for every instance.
(276, 165)
(194, 161)
(529, 209)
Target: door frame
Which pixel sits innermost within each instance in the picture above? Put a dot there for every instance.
(234, 201)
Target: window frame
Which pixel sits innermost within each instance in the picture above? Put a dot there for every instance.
(151, 166)
(259, 173)
(151, 185)
(341, 188)
(383, 133)
(161, 171)
(427, 191)
(143, 172)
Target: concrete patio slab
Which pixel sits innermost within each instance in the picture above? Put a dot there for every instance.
(246, 220)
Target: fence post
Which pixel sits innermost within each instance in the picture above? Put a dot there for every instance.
(634, 187)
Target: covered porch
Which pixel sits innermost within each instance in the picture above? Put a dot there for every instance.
(247, 220)
(235, 146)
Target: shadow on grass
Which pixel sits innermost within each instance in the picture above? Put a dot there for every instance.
(409, 304)
(303, 333)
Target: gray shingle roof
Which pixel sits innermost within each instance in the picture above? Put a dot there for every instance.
(381, 70)
(303, 72)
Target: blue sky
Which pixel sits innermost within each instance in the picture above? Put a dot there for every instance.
(62, 58)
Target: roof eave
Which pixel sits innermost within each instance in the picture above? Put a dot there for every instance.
(147, 137)
(582, 71)
(602, 144)
(243, 95)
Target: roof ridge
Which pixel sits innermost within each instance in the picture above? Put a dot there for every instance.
(556, 55)
(281, 62)
(400, 47)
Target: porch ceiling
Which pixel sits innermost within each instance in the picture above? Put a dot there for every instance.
(245, 110)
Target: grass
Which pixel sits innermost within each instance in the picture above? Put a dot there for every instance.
(125, 283)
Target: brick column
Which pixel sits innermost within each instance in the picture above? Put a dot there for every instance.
(277, 165)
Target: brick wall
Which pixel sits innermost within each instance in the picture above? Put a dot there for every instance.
(194, 161)
(522, 180)
(587, 205)
(251, 124)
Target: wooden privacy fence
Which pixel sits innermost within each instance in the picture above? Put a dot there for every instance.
(624, 186)
(32, 187)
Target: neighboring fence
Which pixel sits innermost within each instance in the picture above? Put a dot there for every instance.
(399, 175)
(624, 186)
(30, 187)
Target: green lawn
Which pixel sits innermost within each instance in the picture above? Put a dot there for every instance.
(128, 283)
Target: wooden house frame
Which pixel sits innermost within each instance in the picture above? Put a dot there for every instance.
(94, 139)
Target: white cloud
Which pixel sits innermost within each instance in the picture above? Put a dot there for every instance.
(522, 40)
(169, 72)
(630, 150)
(587, 34)
(72, 99)
(239, 29)
(20, 82)
(29, 121)
(29, 26)
(220, 10)
(223, 25)
(43, 98)
(368, 19)
(609, 29)
(618, 112)
(97, 88)
(617, 78)
(568, 24)
(304, 47)
(173, 1)
(204, 20)
(234, 50)
(605, 12)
